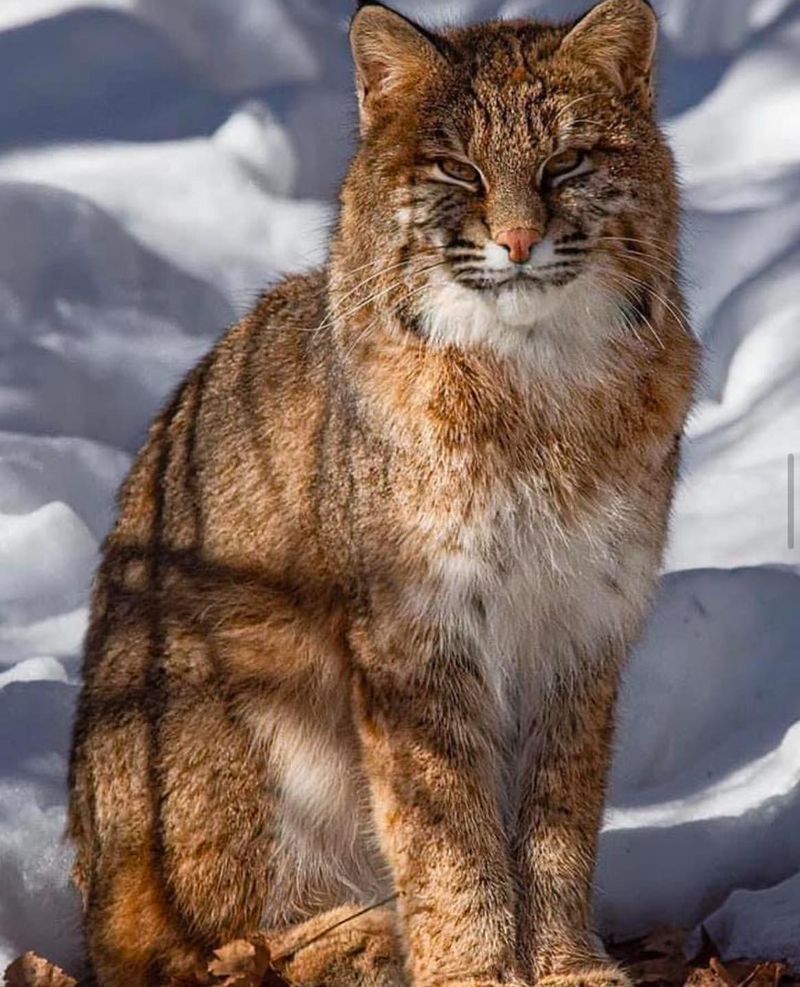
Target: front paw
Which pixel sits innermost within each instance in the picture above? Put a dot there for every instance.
(510, 981)
(602, 975)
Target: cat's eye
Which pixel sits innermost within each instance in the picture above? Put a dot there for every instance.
(458, 171)
(565, 163)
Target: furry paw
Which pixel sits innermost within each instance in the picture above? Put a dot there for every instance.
(511, 981)
(607, 975)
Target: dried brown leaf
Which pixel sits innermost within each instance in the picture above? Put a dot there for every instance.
(704, 976)
(30, 970)
(241, 963)
(656, 959)
(764, 975)
(737, 974)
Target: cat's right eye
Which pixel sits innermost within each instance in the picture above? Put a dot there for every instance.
(455, 170)
(565, 164)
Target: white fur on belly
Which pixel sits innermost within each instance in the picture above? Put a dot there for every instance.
(325, 850)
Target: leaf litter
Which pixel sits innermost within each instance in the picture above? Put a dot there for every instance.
(656, 960)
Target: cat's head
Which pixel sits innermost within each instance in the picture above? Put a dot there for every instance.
(500, 164)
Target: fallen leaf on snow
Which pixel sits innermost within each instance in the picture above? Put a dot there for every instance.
(765, 975)
(708, 976)
(30, 970)
(658, 960)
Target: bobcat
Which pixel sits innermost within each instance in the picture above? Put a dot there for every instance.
(358, 631)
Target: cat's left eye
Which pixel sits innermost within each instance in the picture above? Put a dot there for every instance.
(459, 171)
(565, 163)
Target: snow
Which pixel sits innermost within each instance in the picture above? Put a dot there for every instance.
(706, 788)
(752, 924)
(160, 163)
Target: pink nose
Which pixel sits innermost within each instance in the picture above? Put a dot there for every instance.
(519, 242)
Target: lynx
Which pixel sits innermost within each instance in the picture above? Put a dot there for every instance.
(358, 631)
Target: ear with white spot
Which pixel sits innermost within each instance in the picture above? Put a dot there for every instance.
(391, 54)
(618, 37)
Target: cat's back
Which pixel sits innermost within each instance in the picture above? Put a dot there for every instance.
(228, 453)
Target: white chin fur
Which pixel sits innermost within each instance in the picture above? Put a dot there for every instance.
(559, 327)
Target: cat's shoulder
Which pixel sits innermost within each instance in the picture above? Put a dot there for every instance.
(295, 301)
(278, 337)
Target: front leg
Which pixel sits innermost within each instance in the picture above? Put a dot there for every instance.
(563, 796)
(429, 757)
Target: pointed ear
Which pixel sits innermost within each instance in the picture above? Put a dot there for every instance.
(391, 55)
(618, 37)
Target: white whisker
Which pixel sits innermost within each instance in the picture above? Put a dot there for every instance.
(335, 316)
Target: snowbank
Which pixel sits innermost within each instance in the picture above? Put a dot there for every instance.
(753, 924)
(166, 161)
(705, 795)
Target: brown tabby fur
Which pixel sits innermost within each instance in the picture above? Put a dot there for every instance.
(360, 625)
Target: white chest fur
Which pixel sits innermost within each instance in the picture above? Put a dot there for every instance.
(539, 602)
(538, 599)
(557, 330)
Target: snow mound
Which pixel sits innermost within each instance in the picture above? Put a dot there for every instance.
(39, 554)
(706, 783)
(37, 900)
(755, 924)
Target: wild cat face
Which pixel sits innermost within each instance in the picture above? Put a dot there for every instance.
(508, 161)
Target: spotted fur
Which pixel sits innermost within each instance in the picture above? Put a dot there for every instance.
(359, 627)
